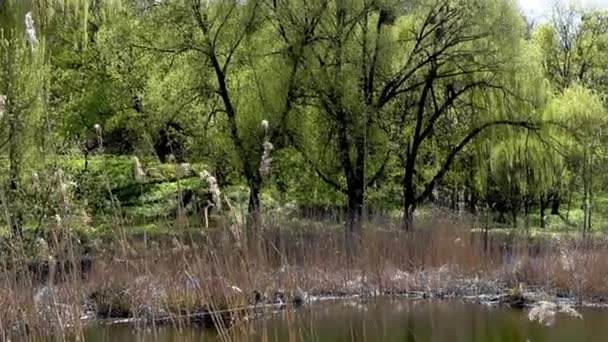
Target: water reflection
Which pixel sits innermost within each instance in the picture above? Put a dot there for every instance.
(384, 320)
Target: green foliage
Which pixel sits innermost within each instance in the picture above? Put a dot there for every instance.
(381, 104)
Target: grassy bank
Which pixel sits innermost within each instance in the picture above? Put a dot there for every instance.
(181, 281)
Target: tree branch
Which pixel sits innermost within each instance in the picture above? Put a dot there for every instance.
(448, 104)
(428, 189)
(380, 171)
(318, 171)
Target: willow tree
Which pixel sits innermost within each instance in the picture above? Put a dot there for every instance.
(581, 113)
(519, 168)
(22, 70)
(525, 168)
(342, 50)
(465, 57)
(95, 76)
(32, 33)
(217, 39)
(574, 43)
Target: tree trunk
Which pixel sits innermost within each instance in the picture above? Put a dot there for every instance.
(590, 196)
(568, 208)
(409, 206)
(471, 201)
(514, 216)
(15, 160)
(486, 230)
(253, 233)
(409, 194)
(527, 212)
(16, 215)
(355, 213)
(454, 199)
(555, 204)
(471, 196)
(590, 205)
(586, 194)
(543, 208)
(356, 192)
(408, 217)
(354, 221)
(586, 210)
(254, 208)
(587, 207)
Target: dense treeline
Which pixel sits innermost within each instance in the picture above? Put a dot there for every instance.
(357, 104)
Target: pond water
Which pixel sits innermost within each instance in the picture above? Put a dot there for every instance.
(384, 320)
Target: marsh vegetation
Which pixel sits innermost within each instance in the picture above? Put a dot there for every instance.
(203, 163)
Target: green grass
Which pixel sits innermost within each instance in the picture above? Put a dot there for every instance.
(150, 207)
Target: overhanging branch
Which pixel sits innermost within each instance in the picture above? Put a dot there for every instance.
(428, 189)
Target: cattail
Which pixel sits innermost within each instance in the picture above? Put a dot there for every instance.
(213, 188)
(2, 105)
(138, 172)
(266, 161)
(30, 30)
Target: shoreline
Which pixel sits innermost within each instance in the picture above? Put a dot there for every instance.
(196, 283)
(502, 297)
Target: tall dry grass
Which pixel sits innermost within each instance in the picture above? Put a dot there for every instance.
(182, 281)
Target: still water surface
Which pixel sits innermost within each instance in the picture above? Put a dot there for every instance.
(386, 320)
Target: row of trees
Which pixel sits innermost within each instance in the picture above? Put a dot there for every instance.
(358, 95)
